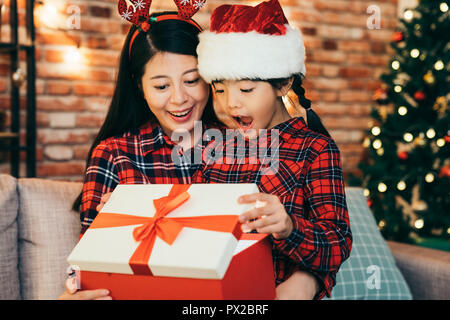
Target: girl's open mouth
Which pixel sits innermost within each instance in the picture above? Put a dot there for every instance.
(244, 122)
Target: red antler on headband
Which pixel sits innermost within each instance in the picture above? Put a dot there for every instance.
(138, 11)
(187, 8)
(135, 11)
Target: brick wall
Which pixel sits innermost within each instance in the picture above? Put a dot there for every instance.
(344, 60)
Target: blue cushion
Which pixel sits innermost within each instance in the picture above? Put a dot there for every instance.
(370, 273)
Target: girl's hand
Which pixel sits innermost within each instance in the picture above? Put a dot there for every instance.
(103, 200)
(72, 293)
(301, 285)
(271, 218)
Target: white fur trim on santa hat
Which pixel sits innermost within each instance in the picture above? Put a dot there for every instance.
(251, 55)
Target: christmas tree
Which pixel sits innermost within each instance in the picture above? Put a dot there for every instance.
(406, 165)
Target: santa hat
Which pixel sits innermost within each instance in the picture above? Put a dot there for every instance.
(247, 42)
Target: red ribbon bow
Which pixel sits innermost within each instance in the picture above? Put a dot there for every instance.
(166, 228)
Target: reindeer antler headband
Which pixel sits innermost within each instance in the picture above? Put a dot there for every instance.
(138, 13)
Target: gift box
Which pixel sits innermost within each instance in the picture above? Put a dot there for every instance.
(175, 242)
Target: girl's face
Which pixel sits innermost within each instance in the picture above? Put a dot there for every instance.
(174, 91)
(245, 105)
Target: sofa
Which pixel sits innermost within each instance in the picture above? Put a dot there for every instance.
(38, 230)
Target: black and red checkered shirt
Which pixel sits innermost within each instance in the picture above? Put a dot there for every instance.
(142, 156)
(309, 182)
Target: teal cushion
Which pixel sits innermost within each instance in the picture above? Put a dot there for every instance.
(370, 273)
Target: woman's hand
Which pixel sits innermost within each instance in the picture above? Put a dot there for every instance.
(72, 293)
(270, 218)
(103, 200)
(301, 285)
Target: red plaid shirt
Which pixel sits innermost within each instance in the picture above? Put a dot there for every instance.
(309, 182)
(140, 157)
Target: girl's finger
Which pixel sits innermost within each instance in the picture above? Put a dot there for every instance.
(253, 197)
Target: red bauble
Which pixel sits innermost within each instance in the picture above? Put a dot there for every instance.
(403, 155)
(419, 95)
(397, 36)
(447, 139)
(369, 203)
(380, 96)
(445, 171)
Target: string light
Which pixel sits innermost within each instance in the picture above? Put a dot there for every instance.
(408, 15)
(415, 53)
(73, 56)
(408, 137)
(377, 144)
(366, 142)
(429, 177)
(431, 133)
(419, 224)
(382, 224)
(366, 192)
(382, 187)
(402, 110)
(444, 7)
(448, 230)
(439, 65)
(395, 64)
(398, 88)
(380, 151)
(440, 142)
(376, 131)
(401, 185)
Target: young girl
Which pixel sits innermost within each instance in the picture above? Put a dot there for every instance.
(253, 57)
(158, 92)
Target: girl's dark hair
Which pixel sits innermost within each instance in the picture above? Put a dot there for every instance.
(128, 109)
(313, 120)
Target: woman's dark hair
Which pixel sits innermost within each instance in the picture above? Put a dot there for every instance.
(128, 109)
(313, 120)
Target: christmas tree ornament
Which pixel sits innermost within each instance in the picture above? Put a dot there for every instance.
(440, 142)
(380, 96)
(443, 7)
(398, 88)
(377, 144)
(403, 155)
(408, 137)
(445, 171)
(381, 224)
(366, 142)
(429, 78)
(376, 131)
(408, 15)
(380, 151)
(440, 105)
(395, 64)
(420, 140)
(419, 223)
(410, 100)
(398, 36)
(383, 112)
(419, 96)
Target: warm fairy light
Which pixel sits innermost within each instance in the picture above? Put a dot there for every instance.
(381, 224)
(408, 15)
(444, 7)
(366, 142)
(380, 152)
(429, 177)
(439, 65)
(376, 131)
(73, 56)
(377, 144)
(431, 133)
(402, 110)
(401, 185)
(395, 65)
(415, 53)
(408, 137)
(366, 192)
(382, 187)
(398, 88)
(419, 224)
(448, 230)
(440, 142)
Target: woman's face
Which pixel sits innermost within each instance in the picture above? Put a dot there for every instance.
(174, 91)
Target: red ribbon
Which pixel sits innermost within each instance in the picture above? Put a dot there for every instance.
(166, 228)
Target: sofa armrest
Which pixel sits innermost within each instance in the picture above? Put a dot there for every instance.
(427, 271)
